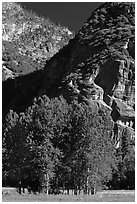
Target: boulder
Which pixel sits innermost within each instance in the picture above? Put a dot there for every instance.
(122, 111)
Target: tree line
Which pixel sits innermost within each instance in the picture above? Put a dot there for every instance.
(55, 146)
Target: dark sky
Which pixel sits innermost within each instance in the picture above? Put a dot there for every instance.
(69, 14)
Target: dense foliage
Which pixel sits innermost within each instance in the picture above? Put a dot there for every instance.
(15, 61)
(124, 177)
(55, 146)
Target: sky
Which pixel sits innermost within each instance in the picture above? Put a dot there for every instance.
(69, 14)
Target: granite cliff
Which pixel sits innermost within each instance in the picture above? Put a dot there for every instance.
(96, 67)
(100, 64)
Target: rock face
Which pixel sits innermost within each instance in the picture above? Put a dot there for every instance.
(98, 65)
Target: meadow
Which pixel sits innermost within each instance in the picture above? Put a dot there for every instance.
(104, 196)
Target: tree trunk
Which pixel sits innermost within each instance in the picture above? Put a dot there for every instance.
(19, 181)
(84, 189)
(95, 187)
(20, 187)
(72, 191)
(68, 191)
(87, 182)
(79, 191)
(75, 191)
(57, 186)
(94, 190)
(47, 184)
(19, 190)
(63, 188)
(23, 190)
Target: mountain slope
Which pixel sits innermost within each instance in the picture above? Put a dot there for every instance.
(104, 52)
(28, 40)
(96, 67)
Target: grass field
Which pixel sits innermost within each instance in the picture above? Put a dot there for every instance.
(104, 196)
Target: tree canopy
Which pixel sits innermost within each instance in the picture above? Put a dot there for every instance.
(55, 145)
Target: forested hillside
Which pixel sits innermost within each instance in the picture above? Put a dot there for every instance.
(29, 40)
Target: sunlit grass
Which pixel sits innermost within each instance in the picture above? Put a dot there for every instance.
(111, 196)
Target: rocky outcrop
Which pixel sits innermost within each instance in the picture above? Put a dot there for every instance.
(119, 81)
(6, 73)
(122, 109)
(101, 65)
(90, 57)
(97, 66)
